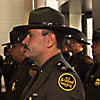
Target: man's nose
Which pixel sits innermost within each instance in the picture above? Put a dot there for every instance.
(25, 41)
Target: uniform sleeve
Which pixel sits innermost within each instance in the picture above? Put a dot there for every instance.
(66, 87)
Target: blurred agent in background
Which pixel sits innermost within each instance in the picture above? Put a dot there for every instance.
(26, 68)
(65, 51)
(79, 61)
(92, 80)
(9, 66)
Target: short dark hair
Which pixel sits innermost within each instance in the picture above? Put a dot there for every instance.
(60, 37)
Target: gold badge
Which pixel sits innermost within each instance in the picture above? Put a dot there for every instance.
(32, 72)
(63, 68)
(67, 82)
(73, 67)
(7, 62)
(13, 86)
(11, 62)
(97, 82)
(30, 98)
(4, 63)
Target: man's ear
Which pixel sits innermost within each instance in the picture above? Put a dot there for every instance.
(81, 45)
(51, 40)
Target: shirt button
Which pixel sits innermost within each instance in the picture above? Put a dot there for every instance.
(41, 71)
(86, 84)
(92, 76)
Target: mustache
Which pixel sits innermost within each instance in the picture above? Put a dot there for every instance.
(25, 46)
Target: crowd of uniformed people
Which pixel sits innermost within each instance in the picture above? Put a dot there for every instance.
(45, 60)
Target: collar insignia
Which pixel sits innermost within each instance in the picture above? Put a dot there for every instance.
(73, 67)
(13, 86)
(32, 71)
(30, 98)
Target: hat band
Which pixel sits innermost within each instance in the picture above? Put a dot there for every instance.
(48, 24)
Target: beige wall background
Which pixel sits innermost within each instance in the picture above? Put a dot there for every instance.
(16, 12)
(12, 13)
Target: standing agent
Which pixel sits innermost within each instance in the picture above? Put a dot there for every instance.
(26, 68)
(93, 77)
(79, 61)
(56, 79)
(10, 66)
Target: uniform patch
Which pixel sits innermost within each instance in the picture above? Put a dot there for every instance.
(97, 82)
(67, 82)
(32, 71)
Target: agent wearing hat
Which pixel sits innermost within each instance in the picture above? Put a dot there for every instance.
(93, 77)
(26, 68)
(79, 61)
(56, 80)
(10, 66)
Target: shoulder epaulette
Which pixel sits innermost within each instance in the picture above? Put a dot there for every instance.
(62, 67)
(67, 80)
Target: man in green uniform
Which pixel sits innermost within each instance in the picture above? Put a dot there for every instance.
(92, 80)
(79, 61)
(26, 68)
(56, 80)
(10, 66)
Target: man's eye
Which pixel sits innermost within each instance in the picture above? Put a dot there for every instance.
(30, 35)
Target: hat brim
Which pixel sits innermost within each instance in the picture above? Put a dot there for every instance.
(6, 44)
(41, 26)
(45, 26)
(10, 43)
(84, 42)
(79, 41)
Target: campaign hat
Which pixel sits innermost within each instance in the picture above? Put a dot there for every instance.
(73, 33)
(17, 34)
(46, 18)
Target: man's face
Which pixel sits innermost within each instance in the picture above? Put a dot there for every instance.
(73, 45)
(36, 44)
(17, 51)
(8, 52)
(96, 48)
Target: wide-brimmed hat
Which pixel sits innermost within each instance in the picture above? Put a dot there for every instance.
(46, 18)
(17, 34)
(75, 34)
(96, 34)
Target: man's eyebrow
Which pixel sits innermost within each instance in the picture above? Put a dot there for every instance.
(28, 32)
(45, 33)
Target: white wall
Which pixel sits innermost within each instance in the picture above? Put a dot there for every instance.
(12, 12)
(75, 14)
(96, 13)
